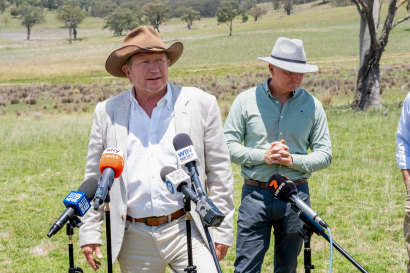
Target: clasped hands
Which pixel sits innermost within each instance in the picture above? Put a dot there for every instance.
(278, 153)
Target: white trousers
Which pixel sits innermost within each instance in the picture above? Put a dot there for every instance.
(152, 248)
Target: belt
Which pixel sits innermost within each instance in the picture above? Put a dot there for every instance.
(158, 220)
(263, 185)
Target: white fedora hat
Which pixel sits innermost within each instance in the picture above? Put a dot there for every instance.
(289, 55)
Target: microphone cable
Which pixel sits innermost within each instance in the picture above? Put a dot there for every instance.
(331, 250)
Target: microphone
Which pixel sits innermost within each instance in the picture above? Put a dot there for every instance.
(76, 204)
(285, 190)
(111, 166)
(179, 181)
(176, 180)
(187, 156)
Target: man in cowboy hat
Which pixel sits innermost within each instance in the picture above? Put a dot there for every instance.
(269, 130)
(147, 224)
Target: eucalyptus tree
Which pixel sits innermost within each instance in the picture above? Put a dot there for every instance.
(30, 16)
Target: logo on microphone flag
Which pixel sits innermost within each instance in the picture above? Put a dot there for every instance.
(186, 154)
(77, 200)
(170, 187)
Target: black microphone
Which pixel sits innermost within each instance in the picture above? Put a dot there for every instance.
(187, 156)
(178, 181)
(77, 203)
(285, 190)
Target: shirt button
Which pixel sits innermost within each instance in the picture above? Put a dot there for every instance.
(281, 116)
(280, 133)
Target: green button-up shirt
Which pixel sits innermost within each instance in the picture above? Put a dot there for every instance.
(257, 119)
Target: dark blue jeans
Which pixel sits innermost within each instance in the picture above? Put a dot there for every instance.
(258, 214)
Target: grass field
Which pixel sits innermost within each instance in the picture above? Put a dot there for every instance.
(43, 145)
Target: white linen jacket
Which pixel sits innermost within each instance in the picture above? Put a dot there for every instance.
(196, 114)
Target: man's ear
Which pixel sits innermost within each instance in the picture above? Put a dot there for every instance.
(271, 68)
(126, 70)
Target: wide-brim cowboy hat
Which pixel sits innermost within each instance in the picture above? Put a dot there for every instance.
(139, 40)
(289, 55)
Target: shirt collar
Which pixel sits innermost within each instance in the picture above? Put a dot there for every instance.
(165, 99)
(269, 94)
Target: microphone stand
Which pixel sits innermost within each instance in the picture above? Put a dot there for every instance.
(108, 231)
(212, 247)
(70, 232)
(198, 188)
(312, 226)
(191, 268)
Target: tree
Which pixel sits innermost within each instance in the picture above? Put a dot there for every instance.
(189, 15)
(207, 8)
(103, 9)
(14, 12)
(71, 15)
(367, 95)
(257, 12)
(247, 4)
(276, 4)
(3, 5)
(288, 6)
(121, 19)
(155, 13)
(30, 16)
(227, 11)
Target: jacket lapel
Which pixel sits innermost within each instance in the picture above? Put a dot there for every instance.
(121, 119)
(182, 110)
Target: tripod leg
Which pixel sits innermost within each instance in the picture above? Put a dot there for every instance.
(191, 268)
(306, 234)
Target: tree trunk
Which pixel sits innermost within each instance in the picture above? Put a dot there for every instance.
(367, 95)
(28, 33)
(365, 38)
(230, 28)
(69, 34)
(368, 85)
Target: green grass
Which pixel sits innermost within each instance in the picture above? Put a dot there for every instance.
(360, 196)
(43, 151)
(330, 35)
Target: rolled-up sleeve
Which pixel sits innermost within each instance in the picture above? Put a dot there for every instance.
(403, 136)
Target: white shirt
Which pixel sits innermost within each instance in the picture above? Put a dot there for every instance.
(150, 148)
(403, 136)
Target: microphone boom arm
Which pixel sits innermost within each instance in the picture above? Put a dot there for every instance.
(319, 230)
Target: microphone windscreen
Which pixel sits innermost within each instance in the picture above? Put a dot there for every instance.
(112, 158)
(165, 171)
(181, 141)
(281, 187)
(89, 187)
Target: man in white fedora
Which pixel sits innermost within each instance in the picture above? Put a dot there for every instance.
(269, 130)
(147, 221)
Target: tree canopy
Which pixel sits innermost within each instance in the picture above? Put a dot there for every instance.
(227, 11)
(30, 16)
(257, 12)
(71, 15)
(123, 18)
(155, 13)
(189, 15)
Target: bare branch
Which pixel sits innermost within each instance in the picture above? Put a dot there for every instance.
(401, 21)
(371, 25)
(380, 10)
(359, 9)
(363, 4)
(400, 3)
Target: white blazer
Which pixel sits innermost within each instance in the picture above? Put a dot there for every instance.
(196, 114)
